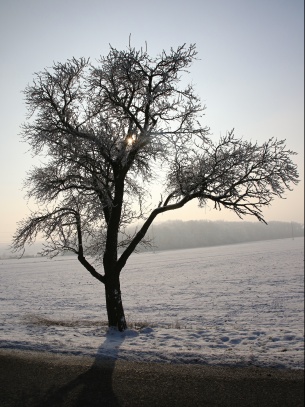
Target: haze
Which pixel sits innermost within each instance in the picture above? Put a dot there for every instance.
(249, 75)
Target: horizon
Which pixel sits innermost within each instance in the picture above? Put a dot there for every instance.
(163, 236)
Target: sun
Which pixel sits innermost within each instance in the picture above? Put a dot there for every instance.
(130, 140)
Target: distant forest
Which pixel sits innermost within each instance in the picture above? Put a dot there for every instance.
(183, 235)
(174, 235)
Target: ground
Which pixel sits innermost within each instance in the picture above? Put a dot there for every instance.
(43, 379)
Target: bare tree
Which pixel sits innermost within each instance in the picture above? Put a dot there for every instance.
(107, 133)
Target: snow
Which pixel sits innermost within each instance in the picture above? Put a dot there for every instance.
(235, 305)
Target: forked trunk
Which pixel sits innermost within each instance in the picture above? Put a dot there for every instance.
(115, 310)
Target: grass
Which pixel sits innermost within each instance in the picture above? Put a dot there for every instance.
(37, 320)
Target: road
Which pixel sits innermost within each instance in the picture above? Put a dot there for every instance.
(31, 379)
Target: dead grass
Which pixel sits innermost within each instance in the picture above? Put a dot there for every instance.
(38, 320)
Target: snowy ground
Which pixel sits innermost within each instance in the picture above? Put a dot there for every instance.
(227, 305)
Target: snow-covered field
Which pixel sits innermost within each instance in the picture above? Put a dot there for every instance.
(227, 305)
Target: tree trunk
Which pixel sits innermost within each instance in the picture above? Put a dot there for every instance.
(115, 310)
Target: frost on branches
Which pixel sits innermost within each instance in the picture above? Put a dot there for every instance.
(107, 132)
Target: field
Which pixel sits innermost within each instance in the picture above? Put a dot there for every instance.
(235, 305)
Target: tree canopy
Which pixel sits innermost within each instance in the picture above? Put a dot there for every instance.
(107, 131)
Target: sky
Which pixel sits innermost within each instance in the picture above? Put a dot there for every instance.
(249, 74)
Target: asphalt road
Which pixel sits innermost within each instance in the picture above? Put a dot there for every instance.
(42, 379)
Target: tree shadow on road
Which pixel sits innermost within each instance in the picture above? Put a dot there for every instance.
(91, 388)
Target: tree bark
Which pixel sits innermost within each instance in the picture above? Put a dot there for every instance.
(115, 310)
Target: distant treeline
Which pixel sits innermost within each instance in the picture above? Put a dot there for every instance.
(182, 235)
(172, 235)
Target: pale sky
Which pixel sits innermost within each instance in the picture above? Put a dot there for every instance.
(250, 74)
